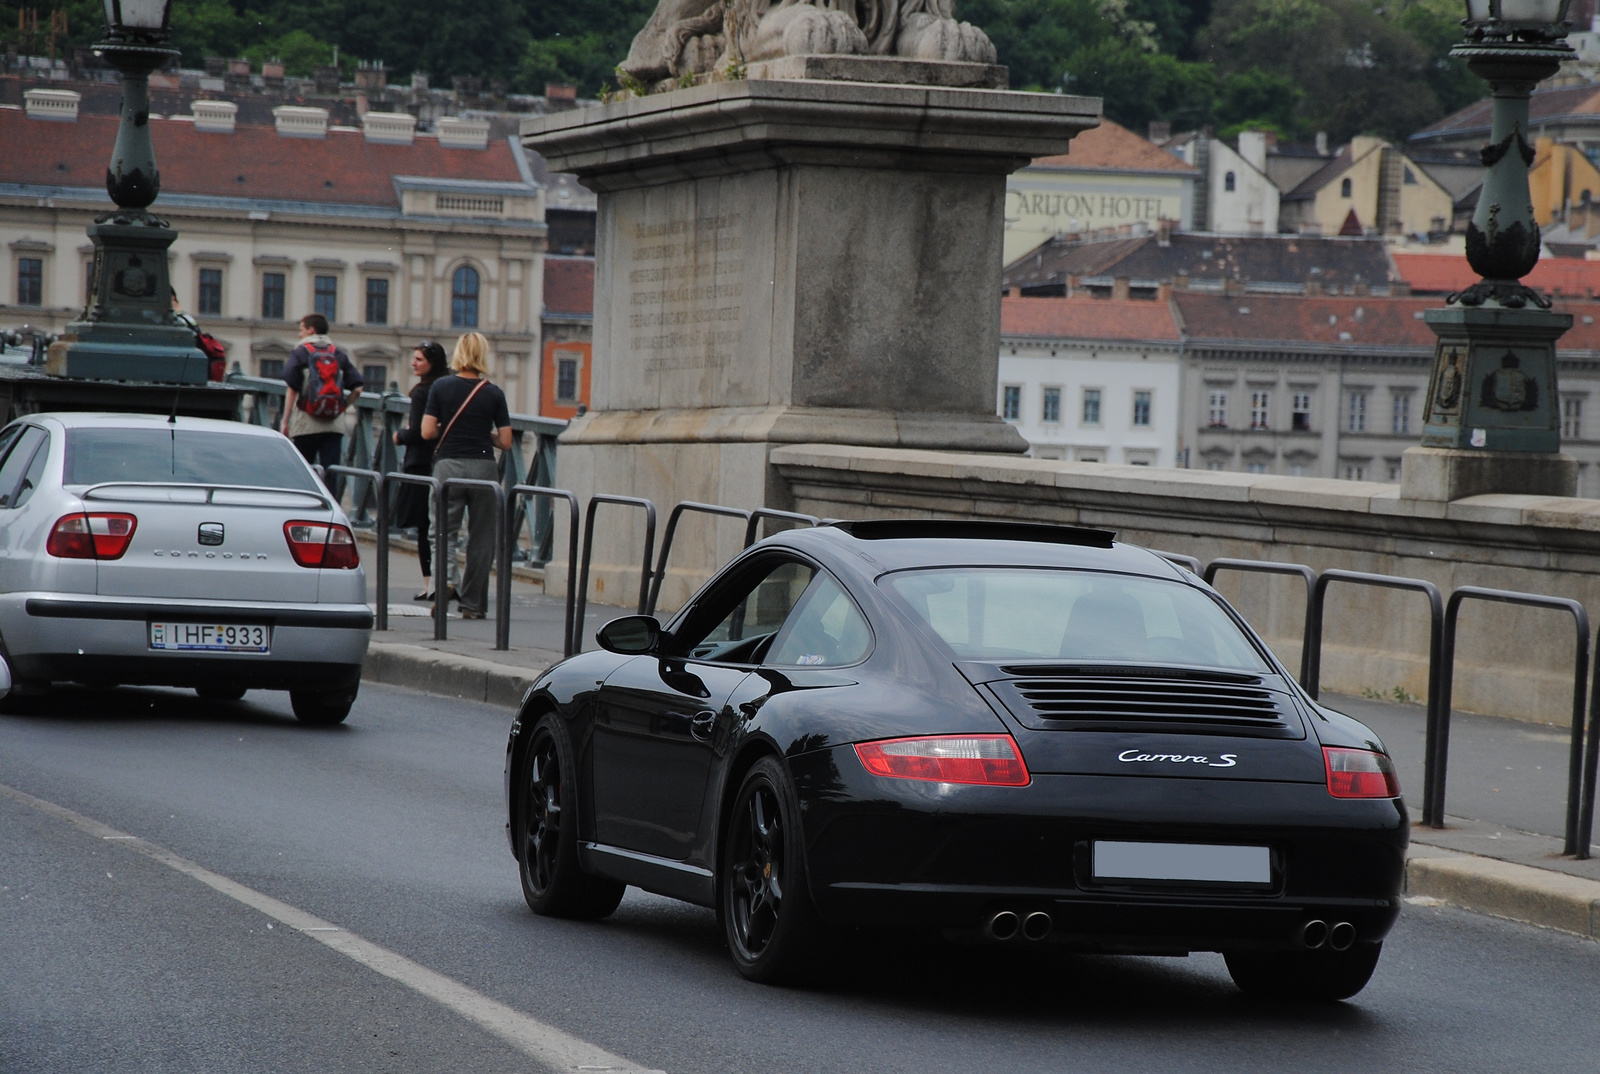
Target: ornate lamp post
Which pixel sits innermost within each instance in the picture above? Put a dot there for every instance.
(128, 330)
(1492, 423)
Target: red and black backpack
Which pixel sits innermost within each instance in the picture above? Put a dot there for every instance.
(323, 396)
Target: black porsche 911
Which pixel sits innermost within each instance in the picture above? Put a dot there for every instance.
(999, 732)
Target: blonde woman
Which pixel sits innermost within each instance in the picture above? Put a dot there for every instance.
(467, 419)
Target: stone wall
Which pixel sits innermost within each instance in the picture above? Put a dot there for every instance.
(1510, 661)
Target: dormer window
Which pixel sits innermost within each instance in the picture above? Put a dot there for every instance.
(1344, 188)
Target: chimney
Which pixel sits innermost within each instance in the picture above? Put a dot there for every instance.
(559, 97)
(419, 82)
(1160, 131)
(272, 73)
(1164, 232)
(215, 116)
(296, 121)
(372, 77)
(60, 106)
(1322, 143)
(327, 81)
(1253, 148)
(1180, 282)
(1119, 288)
(389, 128)
(460, 133)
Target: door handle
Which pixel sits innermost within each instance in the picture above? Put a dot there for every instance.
(702, 723)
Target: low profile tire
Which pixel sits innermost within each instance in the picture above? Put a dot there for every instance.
(772, 928)
(221, 693)
(1304, 975)
(319, 708)
(553, 882)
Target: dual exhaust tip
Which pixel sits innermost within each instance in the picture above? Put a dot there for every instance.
(1008, 925)
(1339, 937)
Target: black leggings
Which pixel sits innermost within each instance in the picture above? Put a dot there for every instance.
(425, 547)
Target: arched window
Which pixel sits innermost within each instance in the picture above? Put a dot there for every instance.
(1344, 188)
(464, 298)
(1228, 183)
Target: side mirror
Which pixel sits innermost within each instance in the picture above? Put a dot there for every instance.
(631, 635)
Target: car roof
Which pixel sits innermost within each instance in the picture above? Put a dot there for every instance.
(81, 419)
(902, 544)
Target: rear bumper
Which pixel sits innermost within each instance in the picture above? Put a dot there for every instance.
(902, 854)
(80, 638)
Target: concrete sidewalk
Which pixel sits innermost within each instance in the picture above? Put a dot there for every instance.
(1500, 852)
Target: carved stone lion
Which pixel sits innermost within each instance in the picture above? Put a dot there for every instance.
(690, 37)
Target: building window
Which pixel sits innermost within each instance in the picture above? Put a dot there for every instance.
(1228, 182)
(1217, 412)
(1572, 417)
(1298, 469)
(1255, 468)
(1301, 421)
(30, 281)
(1050, 412)
(327, 297)
(1355, 471)
(1344, 188)
(464, 298)
(566, 378)
(1356, 413)
(1011, 402)
(272, 368)
(272, 296)
(1411, 178)
(377, 300)
(210, 300)
(1213, 465)
(375, 376)
(1091, 406)
(1402, 412)
(1260, 404)
(1141, 409)
(1394, 469)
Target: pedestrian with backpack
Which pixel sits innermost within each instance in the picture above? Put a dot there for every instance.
(323, 385)
(467, 419)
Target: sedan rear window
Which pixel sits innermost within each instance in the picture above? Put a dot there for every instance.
(188, 456)
(1034, 614)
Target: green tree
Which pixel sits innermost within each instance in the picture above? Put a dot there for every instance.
(1139, 86)
(1257, 99)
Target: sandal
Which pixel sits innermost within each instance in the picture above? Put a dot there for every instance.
(425, 595)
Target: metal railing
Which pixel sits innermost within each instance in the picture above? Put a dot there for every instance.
(520, 494)
(441, 608)
(672, 531)
(753, 526)
(1188, 563)
(1261, 566)
(1577, 842)
(582, 598)
(502, 558)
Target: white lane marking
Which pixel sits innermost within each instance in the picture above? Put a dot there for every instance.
(539, 1040)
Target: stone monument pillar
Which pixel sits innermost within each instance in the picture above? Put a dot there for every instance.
(808, 254)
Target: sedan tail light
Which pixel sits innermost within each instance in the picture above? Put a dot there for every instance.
(1360, 774)
(91, 536)
(321, 544)
(991, 759)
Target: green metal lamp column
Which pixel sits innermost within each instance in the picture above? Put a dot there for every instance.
(128, 331)
(1491, 422)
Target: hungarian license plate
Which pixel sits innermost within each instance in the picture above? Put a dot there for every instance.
(1182, 861)
(211, 637)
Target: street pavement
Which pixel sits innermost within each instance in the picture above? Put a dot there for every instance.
(390, 827)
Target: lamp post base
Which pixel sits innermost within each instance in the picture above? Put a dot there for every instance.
(1446, 474)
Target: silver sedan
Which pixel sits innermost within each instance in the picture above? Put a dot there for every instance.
(178, 552)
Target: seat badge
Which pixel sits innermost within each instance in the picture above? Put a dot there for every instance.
(210, 533)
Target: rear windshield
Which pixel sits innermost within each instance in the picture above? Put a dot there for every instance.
(1034, 614)
(203, 457)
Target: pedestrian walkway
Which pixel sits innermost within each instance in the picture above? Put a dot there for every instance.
(1500, 851)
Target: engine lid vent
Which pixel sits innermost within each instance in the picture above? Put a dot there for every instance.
(1104, 699)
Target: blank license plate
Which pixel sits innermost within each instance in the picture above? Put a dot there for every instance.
(211, 637)
(1182, 861)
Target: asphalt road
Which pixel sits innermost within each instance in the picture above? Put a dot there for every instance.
(390, 827)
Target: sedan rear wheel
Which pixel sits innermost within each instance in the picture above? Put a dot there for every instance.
(552, 881)
(1304, 975)
(321, 708)
(772, 929)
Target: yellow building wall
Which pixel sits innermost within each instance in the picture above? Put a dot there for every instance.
(1424, 202)
(1044, 202)
(1331, 207)
(1559, 174)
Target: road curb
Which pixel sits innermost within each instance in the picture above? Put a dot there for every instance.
(1505, 889)
(447, 674)
(1484, 885)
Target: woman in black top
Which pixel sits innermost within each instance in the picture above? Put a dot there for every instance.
(411, 505)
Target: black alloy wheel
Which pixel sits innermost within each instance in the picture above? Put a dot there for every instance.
(319, 708)
(552, 881)
(1323, 974)
(772, 929)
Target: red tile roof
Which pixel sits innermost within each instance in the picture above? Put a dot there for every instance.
(1442, 273)
(1087, 318)
(1325, 319)
(252, 162)
(568, 285)
(1110, 147)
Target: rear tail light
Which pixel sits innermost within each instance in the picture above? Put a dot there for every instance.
(85, 536)
(1360, 774)
(321, 544)
(991, 759)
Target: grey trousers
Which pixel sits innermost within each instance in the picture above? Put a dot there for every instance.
(472, 583)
